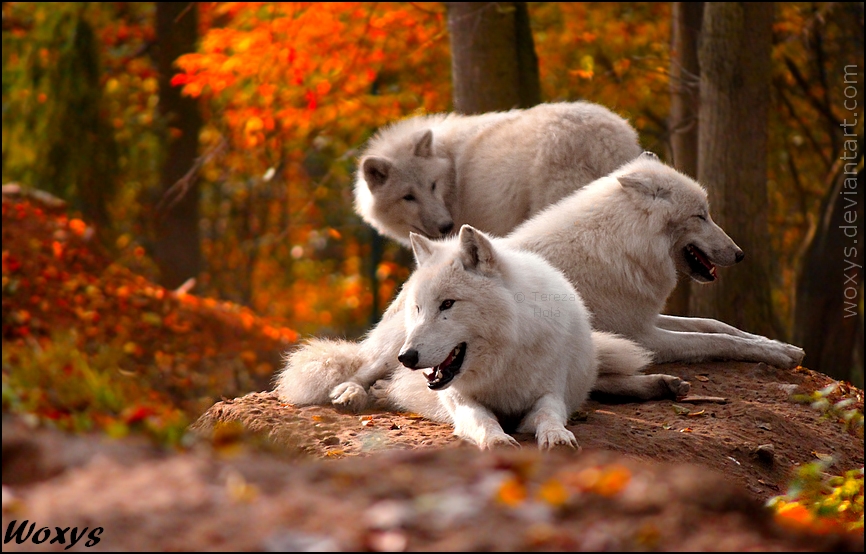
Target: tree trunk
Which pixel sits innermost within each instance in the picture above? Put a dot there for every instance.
(685, 89)
(732, 157)
(177, 248)
(493, 61)
(828, 315)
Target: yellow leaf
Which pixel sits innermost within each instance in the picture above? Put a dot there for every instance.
(553, 492)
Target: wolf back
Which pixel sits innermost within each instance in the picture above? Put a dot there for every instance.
(432, 174)
(620, 243)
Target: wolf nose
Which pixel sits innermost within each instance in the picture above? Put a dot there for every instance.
(445, 229)
(739, 256)
(409, 358)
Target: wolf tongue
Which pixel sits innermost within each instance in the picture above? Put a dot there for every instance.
(436, 371)
(701, 258)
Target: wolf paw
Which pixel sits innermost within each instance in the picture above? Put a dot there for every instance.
(498, 441)
(677, 386)
(557, 438)
(349, 396)
(795, 355)
(782, 354)
(379, 393)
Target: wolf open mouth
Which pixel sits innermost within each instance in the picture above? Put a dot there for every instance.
(699, 263)
(440, 376)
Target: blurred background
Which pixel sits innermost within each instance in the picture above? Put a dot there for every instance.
(218, 141)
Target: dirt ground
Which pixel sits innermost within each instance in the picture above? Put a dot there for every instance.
(662, 475)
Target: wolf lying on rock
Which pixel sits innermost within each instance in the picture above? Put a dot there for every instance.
(619, 242)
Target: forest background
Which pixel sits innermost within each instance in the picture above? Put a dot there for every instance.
(211, 146)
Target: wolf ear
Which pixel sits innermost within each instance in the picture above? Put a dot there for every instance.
(643, 184)
(424, 145)
(476, 251)
(422, 247)
(376, 171)
(647, 155)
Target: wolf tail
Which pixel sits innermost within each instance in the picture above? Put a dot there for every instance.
(316, 367)
(617, 355)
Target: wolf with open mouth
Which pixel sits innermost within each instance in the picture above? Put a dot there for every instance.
(489, 344)
(620, 241)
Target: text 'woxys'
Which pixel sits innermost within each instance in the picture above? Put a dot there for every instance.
(59, 535)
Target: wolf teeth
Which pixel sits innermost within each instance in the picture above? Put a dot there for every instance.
(693, 252)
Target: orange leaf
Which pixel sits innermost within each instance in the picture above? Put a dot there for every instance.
(553, 492)
(612, 481)
(511, 492)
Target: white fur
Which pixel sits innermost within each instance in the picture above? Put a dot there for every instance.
(620, 242)
(492, 171)
(316, 366)
(528, 354)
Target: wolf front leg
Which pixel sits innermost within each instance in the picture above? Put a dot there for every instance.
(547, 421)
(689, 347)
(474, 422)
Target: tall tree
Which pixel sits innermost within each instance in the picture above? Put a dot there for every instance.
(828, 315)
(493, 62)
(828, 312)
(58, 136)
(683, 122)
(734, 58)
(177, 248)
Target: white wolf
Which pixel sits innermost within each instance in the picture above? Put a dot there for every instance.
(504, 337)
(432, 174)
(620, 241)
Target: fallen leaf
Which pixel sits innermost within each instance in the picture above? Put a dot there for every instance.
(239, 489)
(680, 410)
(613, 480)
(511, 492)
(553, 492)
(823, 457)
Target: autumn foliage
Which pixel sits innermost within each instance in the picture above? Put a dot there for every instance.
(88, 344)
(289, 93)
(289, 86)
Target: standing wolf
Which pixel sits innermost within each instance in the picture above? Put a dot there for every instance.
(620, 242)
(432, 174)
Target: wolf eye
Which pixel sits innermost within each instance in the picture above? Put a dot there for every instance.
(446, 304)
(409, 198)
(701, 217)
(433, 187)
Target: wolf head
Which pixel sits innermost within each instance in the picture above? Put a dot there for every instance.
(677, 207)
(455, 305)
(403, 187)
